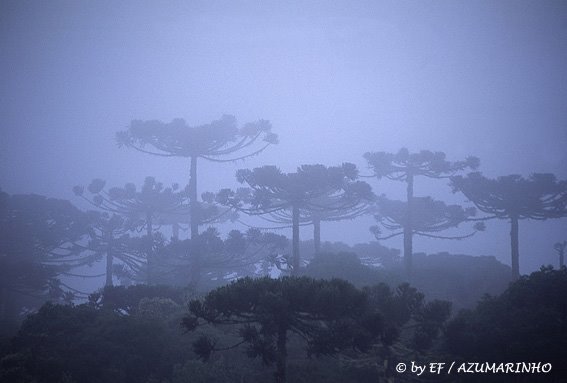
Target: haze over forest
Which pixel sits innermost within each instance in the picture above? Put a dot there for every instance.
(335, 79)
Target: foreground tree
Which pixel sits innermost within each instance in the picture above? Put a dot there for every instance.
(218, 141)
(329, 315)
(39, 240)
(526, 323)
(280, 197)
(405, 166)
(514, 197)
(428, 218)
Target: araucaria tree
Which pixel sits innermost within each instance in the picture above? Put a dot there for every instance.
(513, 197)
(405, 166)
(142, 208)
(428, 218)
(328, 315)
(40, 239)
(353, 200)
(283, 197)
(218, 141)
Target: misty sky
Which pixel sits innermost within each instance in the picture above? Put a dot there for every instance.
(335, 78)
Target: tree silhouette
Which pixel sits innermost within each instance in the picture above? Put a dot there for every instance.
(354, 200)
(280, 197)
(540, 197)
(328, 315)
(405, 166)
(235, 256)
(218, 141)
(526, 322)
(109, 236)
(39, 240)
(428, 218)
(142, 208)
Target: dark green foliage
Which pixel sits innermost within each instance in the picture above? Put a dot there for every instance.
(329, 315)
(528, 322)
(406, 305)
(83, 344)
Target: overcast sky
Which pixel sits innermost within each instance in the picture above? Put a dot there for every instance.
(335, 78)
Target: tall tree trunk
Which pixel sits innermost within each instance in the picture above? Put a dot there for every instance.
(3, 308)
(109, 259)
(281, 356)
(195, 220)
(562, 258)
(408, 229)
(175, 231)
(295, 241)
(317, 234)
(194, 204)
(150, 250)
(515, 248)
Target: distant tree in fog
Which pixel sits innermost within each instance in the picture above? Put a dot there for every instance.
(428, 218)
(513, 197)
(237, 255)
(218, 141)
(405, 166)
(354, 200)
(560, 249)
(142, 208)
(109, 236)
(283, 197)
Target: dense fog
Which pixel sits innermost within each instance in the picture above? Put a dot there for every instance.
(334, 81)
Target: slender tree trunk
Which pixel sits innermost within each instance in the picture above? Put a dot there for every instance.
(3, 307)
(194, 206)
(175, 231)
(195, 219)
(408, 229)
(150, 250)
(281, 357)
(562, 258)
(515, 249)
(317, 234)
(109, 260)
(295, 240)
